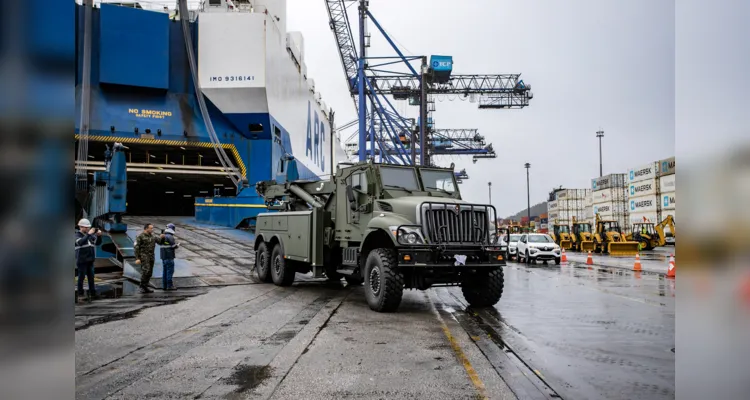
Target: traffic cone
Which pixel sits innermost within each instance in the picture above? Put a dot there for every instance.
(672, 267)
(564, 258)
(637, 265)
(589, 261)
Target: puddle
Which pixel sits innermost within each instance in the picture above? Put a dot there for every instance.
(248, 377)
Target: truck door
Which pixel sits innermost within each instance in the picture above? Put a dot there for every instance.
(359, 217)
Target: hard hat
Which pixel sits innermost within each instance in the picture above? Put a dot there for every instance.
(84, 223)
(171, 226)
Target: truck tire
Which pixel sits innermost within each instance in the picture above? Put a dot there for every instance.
(484, 290)
(263, 262)
(384, 285)
(282, 272)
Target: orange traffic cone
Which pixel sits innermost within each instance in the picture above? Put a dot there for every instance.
(672, 267)
(563, 258)
(637, 265)
(589, 261)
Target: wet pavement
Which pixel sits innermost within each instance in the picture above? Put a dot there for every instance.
(656, 260)
(570, 331)
(208, 255)
(592, 333)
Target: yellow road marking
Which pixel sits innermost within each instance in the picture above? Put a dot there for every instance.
(473, 376)
(478, 384)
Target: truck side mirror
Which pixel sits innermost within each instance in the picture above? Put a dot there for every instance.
(350, 197)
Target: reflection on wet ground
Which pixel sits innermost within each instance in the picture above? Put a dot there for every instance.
(588, 332)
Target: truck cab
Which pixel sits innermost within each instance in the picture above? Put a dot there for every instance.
(388, 226)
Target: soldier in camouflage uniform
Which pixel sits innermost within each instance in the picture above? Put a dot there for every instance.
(145, 244)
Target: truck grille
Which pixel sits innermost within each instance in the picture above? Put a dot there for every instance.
(454, 223)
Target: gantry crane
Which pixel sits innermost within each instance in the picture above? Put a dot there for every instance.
(380, 125)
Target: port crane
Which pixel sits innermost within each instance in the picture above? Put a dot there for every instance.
(380, 126)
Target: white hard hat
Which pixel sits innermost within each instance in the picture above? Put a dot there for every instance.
(84, 223)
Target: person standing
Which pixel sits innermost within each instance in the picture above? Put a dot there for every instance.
(87, 238)
(145, 244)
(168, 246)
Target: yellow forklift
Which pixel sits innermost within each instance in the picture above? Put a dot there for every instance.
(649, 235)
(561, 235)
(609, 239)
(582, 236)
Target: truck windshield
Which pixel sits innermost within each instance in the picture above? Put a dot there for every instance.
(440, 180)
(404, 178)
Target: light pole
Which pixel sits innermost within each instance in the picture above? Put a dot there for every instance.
(528, 195)
(600, 135)
(489, 189)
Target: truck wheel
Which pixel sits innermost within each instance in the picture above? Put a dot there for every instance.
(484, 290)
(262, 262)
(282, 272)
(384, 285)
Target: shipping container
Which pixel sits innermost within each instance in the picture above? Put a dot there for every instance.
(609, 195)
(543, 216)
(668, 201)
(667, 167)
(608, 181)
(643, 188)
(571, 204)
(589, 213)
(609, 208)
(551, 206)
(572, 194)
(643, 204)
(650, 216)
(667, 183)
(589, 199)
(642, 173)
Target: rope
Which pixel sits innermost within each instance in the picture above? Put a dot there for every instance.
(224, 159)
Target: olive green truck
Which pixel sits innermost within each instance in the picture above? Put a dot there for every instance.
(390, 227)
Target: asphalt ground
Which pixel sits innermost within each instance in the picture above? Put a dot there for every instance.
(572, 331)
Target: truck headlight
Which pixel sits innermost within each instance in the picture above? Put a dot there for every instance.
(408, 235)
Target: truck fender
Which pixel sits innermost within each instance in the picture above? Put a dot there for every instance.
(258, 240)
(276, 239)
(377, 235)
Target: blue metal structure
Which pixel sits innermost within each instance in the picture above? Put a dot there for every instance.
(109, 192)
(379, 123)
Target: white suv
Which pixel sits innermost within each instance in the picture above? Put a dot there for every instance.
(537, 246)
(513, 246)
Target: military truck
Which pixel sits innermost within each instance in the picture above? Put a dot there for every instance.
(390, 227)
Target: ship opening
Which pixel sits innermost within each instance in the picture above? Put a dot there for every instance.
(165, 180)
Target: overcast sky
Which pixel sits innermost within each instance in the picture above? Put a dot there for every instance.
(591, 64)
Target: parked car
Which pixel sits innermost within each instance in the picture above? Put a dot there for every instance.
(537, 246)
(512, 246)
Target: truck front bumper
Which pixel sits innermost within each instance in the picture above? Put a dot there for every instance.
(470, 257)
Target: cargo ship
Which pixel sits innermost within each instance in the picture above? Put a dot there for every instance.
(263, 106)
